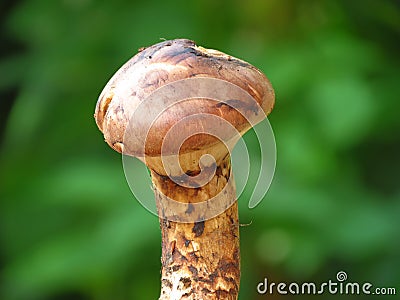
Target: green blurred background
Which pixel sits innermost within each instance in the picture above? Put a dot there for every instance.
(69, 225)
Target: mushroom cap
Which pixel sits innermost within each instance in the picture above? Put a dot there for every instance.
(177, 80)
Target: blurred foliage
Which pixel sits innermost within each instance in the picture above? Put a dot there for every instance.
(69, 226)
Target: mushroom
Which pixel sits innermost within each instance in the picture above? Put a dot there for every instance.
(180, 108)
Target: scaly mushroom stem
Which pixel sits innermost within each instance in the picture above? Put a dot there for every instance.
(200, 260)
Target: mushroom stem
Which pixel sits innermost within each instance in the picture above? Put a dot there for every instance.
(200, 260)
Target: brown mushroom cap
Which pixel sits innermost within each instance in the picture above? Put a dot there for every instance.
(130, 90)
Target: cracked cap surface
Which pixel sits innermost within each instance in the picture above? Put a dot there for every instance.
(164, 63)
